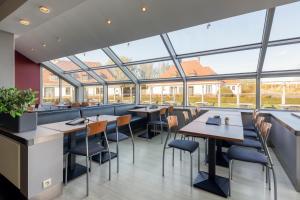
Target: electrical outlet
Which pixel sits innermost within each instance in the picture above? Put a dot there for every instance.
(47, 183)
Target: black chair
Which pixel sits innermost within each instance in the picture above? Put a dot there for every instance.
(183, 145)
(252, 156)
(91, 148)
(160, 122)
(118, 136)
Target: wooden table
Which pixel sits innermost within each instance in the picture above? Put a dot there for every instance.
(148, 134)
(198, 128)
(76, 169)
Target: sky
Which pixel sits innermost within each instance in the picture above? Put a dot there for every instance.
(234, 31)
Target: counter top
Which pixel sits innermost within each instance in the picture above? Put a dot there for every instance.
(288, 120)
(40, 135)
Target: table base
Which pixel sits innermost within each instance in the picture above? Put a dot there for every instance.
(147, 135)
(76, 172)
(105, 157)
(219, 185)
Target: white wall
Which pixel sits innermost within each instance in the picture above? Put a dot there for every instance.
(7, 59)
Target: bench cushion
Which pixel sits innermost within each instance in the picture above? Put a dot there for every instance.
(46, 117)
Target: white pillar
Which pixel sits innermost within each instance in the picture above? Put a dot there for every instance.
(283, 93)
(202, 94)
(238, 96)
(219, 96)
(150, 96)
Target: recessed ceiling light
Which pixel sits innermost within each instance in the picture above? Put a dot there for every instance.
(144, 9)
(32, 49)
(44, 10)
(58, 39)
(24, 22)
(44, 44)
(108, 21)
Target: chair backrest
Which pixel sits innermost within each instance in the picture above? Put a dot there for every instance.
(186, 116)
(193, 112)
(259, 121)
(172, 121)
(265, 130)
(197, 111)
(85, 104)
(123, 120)
(162, 111)
(96, 128)
(75, 105)
(171, 110)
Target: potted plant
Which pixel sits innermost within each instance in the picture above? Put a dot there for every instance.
(14, 105)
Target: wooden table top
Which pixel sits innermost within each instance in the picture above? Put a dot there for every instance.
(235, 118)
(198, 128)
(66, 129)
(147, 110)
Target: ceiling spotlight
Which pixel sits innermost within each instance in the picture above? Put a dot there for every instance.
(32, 49)
(58, 39)
(144, 9)
(44, 10)
(108, 21)
(44, 44)
(24, 22)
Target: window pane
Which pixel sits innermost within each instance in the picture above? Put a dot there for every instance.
(162, 93)
(65, 64)
(95, 58)
(124, 93)
(83, 77)
(222, 93)
(239, 30)
(282, 58)
(68, 92)
(143, 49)
(280, 93)
(165, 69)
(226, 63)
(93, 94)
(112, 74)
(50, 87)
(286, 22)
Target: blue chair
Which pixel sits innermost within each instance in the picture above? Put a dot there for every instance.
(183, 145)
(251, 127)
(252, 156)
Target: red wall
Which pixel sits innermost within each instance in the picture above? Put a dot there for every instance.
(27, 73)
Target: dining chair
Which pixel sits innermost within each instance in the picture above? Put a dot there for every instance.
(184, 145)
(160, 122)
(251, 126)
(252, 156)
(171, 110)
(75, 105)
(252, 133)
(194, 114)
(91, 148)
(118, 136)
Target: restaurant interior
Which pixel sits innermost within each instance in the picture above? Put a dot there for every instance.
(149, 99)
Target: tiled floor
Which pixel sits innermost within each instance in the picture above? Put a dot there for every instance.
(143, 180)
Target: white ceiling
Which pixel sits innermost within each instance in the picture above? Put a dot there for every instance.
(81, 24)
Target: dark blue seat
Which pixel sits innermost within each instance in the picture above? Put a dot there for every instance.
(250, 127)
(111, 127)
(248, 155)
(249, 143)
(113, 137)
(185, 145)
(94, 148)
(157, 122)
(249, 133)
(136, 119)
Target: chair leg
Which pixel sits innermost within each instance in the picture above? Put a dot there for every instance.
(161, 133)
(163, 163)
(191, 170)
(230, 167)
(117, 156)
(173, 151)
(269, 177)
(87, 175)
(90, 165)
(100, 158)
(275, 183)
(199, 158)
(109, 166)
(205, 141)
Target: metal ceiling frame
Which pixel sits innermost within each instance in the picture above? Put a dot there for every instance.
(263, 46)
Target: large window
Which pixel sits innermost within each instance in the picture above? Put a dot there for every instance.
(234, 31)
(112, 74)
(95, 58)
(124, 93)
(65, 64)
(286, 22)
(162, 93)
(280, 93)
(143, 49)
(285, 57)
(50, 87)
(222, 93)
(225, 63)
(67, 92)
(157, 70)
(93, 94)
(83, 77)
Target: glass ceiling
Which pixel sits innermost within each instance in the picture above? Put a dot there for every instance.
(217, 48)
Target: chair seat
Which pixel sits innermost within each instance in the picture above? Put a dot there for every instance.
(250, 127)
(248, 155)
(249, 133)
(186, 145)
(157, 122)
(249, 143)
(94, 148)
(136, 118)
(113, 137)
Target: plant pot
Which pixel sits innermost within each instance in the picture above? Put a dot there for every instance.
(27, 122)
